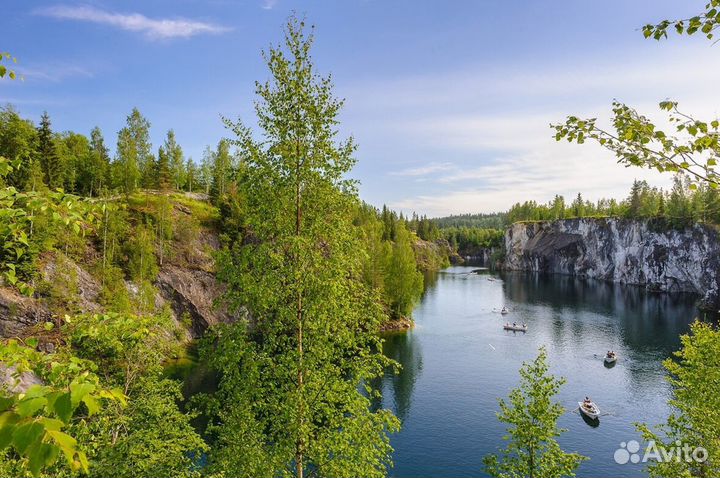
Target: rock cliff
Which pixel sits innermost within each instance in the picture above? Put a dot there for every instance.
(632, 252)
(185, 282)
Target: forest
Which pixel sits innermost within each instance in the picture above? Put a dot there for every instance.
(310, 276)
(102, 402)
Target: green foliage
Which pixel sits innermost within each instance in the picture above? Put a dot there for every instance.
(140, 250)
(34, 422)
(134, 166)
(156, 439)
(706, 23)
(18, 143)
(472, 221)
(19, 212)
(390, 266)
(686, 204)
(163, 180)
(636, 141)
(694, 374)
(693, 148)
(4, 70)
(403, 282)
(176, 161)
(50, 161)
(221, 170)
(124, 346)
(532, 416)
(468, 241)
(289, 399)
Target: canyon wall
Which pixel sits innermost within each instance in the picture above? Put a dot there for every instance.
(635, 252)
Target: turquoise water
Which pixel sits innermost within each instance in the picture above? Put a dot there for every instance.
(458, 361)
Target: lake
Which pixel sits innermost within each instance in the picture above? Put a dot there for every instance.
(458, 361)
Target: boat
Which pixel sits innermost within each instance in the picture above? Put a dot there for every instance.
(504, 311)
(515, 327)
(589, 409)
(610, 358)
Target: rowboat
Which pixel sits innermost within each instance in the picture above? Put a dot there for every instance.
(610, 358)
(589, 409)
(515, 328)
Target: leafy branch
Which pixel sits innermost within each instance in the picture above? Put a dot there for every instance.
(32, 421)
(706, 23)
(5, 71)
(638, 142)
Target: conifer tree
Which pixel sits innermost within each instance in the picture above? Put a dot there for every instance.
(176, 161)
(49, 160)
(163, 179)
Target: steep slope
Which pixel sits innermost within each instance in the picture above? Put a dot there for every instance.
(185, 284)
(623, 251)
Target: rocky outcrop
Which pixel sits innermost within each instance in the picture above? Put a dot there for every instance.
(432, 256)
(624, 251)
(18, 312)
(194, 294)
(186, 283)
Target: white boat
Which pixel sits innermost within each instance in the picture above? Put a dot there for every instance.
(610, 357)
(504, 311)
(589, 409)
(515, 327)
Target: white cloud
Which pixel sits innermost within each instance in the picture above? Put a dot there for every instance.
(424, 170)
(135, 22)
(269, 4)
(493, 127)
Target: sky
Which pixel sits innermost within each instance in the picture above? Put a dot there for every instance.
(449, 102)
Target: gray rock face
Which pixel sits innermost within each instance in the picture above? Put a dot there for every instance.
(622, 251)
(193, 294)
(18, 312)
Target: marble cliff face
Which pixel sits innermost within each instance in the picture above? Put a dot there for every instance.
(623, 251)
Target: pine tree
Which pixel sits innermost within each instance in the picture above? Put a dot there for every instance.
(163, 175)
(48, 157)
(176, 160)
(290, 400)
(531, 415)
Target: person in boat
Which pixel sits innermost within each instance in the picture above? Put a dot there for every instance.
(525, 326)
(514, 324)
(587, 403)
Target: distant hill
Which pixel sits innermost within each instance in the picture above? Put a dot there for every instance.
(481, 221)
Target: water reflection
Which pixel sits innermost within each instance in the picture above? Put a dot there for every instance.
(406, 350)
(458, 361)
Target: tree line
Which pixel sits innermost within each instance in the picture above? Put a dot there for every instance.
(683, 205)
(83, 165)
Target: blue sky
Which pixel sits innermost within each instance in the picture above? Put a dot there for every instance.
(449, 101)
